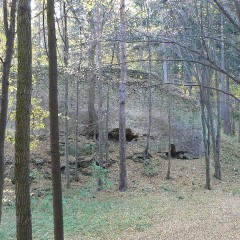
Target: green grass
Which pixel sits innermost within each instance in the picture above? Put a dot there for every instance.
(84, 216)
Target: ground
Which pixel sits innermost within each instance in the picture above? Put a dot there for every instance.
(152, 208)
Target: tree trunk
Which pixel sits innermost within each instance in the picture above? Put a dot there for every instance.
(65, 55)
(100, 92)
(91, 77)
(218, 135)
(10, 36)
(169, 143)
(225, 106)
(22, 135)
(165, 72)
(146, 152)
(226, 111)
(76, 127)
(54, 125)
(122, 88)
(239, 122)
(205, 140)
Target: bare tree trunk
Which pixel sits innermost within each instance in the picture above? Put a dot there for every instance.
(239, 122)
(218, 135)
(122, 87)
(225, 106)
(91, 77)
(108, 108)
(228, 14)
(54, 124)
(165, 72)
(226, 113)
(39, 32)
(10, 36)
(205, 140)
(22, 135)
(146, 152)
(76, 129)
(100, 92)
(65, 54)
(44, 32)
(208, 104)
(169, 142)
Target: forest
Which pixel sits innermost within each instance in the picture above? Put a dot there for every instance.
(119, 119)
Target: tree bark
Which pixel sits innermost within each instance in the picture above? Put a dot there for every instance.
(100, 92)
(10, 36)
(122, 89)
(54, 124)
(65, 56)
(91, 77)
(169, 142)
(76, 129)
(228, 14)
(22, 135)
(146, 152)
(206, 139)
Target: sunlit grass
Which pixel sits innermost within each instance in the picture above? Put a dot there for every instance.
(84, 216)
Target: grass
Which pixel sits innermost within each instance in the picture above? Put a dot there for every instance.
(109, 214)
(84, 215)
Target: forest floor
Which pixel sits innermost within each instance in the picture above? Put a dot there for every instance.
(151, 208)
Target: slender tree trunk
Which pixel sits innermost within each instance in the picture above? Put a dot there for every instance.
(100, 92)
(54, 124)
(39, 32)
(225, 99)
(169, 142)
(22, 135)
(226, 114)
(215, 141)
(122, 88)
(91, 77)
(65, 54)
(44, 32)
(239, 122)
(146, 152)
(165, 72)
(10, 36)
(108, 107)
(218, 135)
(205, 140)
(76, 140)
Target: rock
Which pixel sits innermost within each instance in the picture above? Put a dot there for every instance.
(114, 135)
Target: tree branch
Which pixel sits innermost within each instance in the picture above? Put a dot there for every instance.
(228, 14)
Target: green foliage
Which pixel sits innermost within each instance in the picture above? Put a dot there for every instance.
(167, 188)
(3, 234)
(151, 168)
(85, 150)
(180, 197)
(88, 149)
(37, 118)
(230, 150)
(101, 173)
(91, 217)
(236, 191)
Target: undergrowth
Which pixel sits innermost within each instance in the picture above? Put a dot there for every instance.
(84, 217)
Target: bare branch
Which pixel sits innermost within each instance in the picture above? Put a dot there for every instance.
(227, 13)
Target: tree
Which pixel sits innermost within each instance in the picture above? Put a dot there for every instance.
(234, 20)
(23, 108)
(65, 56)
(91, 76)
(146, 152)
(122, 87)
(54, 124)
(10, 36)
(100, 90)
